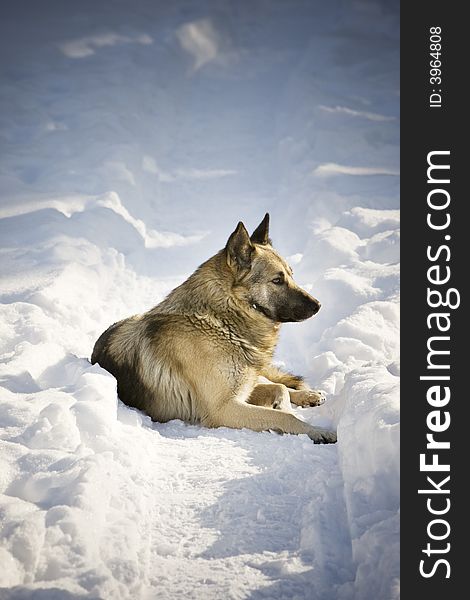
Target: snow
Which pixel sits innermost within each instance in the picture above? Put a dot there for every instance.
(134, 140)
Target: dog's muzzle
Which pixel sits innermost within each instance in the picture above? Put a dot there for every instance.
(262, 310)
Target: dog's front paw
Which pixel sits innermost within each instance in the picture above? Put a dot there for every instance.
(322, 436)
(306, 398)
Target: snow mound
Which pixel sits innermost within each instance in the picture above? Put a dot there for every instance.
(287, 516)
(69, 206)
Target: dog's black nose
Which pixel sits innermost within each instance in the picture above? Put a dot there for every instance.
(315, 306)
(310, 306)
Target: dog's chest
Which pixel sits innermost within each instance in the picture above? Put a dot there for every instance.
(246, 346)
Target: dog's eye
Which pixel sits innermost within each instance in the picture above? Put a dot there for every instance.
(277, 280)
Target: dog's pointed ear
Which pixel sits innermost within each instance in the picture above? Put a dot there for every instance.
(261, 234)
(239, 248)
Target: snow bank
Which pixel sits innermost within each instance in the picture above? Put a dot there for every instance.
(97, 500)
(356, 362)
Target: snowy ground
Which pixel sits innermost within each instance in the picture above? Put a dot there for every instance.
(134, 137)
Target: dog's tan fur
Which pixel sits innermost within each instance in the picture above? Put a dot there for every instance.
(204, 354)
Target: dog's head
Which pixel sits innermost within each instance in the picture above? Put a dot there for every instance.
(263, 279)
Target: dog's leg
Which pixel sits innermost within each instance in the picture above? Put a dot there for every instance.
(221, 400)
(273, 395)
(239, 414)
(300, 393)
(275, 375)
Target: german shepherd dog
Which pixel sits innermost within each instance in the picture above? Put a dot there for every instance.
(204, 354)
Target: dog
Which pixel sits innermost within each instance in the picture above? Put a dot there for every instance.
(204, 354)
